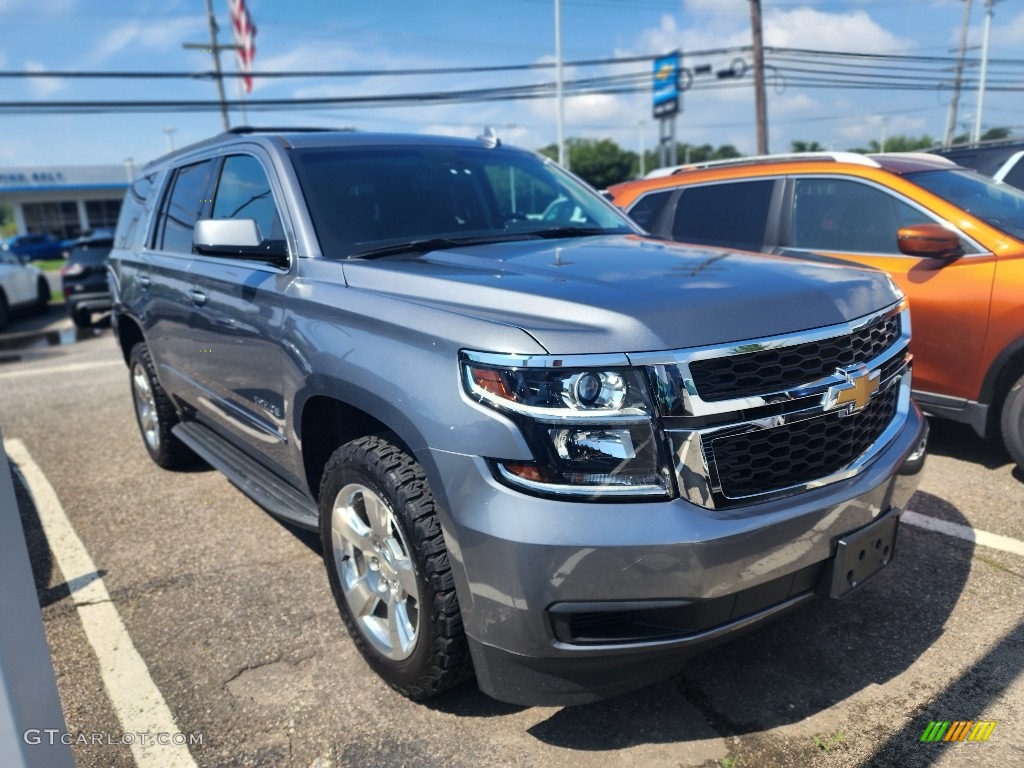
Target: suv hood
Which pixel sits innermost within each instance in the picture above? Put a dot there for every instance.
(624, 293)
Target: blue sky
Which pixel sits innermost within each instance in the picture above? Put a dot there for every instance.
(122, 35)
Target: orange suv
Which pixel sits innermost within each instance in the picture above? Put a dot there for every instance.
(952, 239)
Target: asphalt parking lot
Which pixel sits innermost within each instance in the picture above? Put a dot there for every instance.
(231, 615)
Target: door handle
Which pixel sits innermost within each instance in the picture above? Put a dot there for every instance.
(144, 281)
(198, 297)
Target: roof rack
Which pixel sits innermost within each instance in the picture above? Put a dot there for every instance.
(792, 157)
(246, 129)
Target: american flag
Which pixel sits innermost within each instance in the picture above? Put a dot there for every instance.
(245, 39)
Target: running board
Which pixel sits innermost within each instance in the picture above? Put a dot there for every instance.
(254, 480)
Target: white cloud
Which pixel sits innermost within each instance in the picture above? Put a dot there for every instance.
(810, 28)
(164, 35)
(1007, 32)
(41, 87)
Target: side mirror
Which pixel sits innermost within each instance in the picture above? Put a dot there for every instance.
(931, 240)
(236, 237)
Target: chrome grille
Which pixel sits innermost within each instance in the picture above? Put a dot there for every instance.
(767, 460)
(773, 370)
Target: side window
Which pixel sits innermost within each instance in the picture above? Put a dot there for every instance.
(132, 209)
(734, 215)
(646, 210)
(182, 206)
(844, 215)
(243, 192)
(1015, 176)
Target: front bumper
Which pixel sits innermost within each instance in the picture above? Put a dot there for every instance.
(534, 575)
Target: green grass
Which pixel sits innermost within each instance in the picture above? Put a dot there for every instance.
(828, 743)
(49, 265)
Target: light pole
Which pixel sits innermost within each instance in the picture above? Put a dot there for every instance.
(976, 136)
(170, 138)
(558, 86)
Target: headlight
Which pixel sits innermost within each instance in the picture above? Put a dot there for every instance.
(590, 429)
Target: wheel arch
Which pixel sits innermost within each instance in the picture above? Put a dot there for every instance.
(1004, 371)
(129, 333)
(327, 420)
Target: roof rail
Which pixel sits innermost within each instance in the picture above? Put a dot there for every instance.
(790, 157)
(245, 129)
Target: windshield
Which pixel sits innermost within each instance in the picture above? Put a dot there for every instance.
(365, 199)
(997, 204)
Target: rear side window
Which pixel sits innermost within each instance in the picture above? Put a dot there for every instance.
(1015, 176)
(244, 193)
(734, 215)
(182, 207)
(136, 202)
(647, 209)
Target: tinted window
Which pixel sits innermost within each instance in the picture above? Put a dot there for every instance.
(731, 215)
(1015, 176)
(95, 253)
(366, 197)
(244, 193)
(995, 203)
(174, 233)
(844, 215)
(647, 209)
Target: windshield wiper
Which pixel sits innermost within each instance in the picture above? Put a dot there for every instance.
(555, 232)
(426, 245)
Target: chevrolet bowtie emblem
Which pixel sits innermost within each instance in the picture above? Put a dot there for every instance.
(855, 393)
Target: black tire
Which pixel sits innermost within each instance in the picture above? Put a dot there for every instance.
(1011, 422)
(373, 473)
(154, 412)
(81, 318)
(5, 312)
(42, 294)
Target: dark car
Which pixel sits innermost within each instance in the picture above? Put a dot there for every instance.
(32, 247)
(1002, 160)
(84, 278)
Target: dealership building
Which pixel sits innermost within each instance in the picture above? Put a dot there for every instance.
(64, 201)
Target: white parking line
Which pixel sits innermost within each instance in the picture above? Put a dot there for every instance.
(138, 703)
(49, 370)
(986, 539)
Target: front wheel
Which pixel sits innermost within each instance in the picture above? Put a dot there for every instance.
(1011, 422)
(388, 567)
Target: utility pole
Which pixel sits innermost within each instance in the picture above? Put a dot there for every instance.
(954, 103)
(760, 107)
(215, 48)
(640, 129)
(170, 138)
(976, 136)
(558, 68)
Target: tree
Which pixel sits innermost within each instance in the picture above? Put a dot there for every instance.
(897, 144)
(806, 146)
(599, 162)
(692, 153)
(7, 226)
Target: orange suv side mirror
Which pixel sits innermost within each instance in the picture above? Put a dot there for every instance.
(931, 240)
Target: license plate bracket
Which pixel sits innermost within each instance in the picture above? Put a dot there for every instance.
(859, 556)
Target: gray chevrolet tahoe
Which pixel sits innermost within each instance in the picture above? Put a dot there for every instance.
(538, 446)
